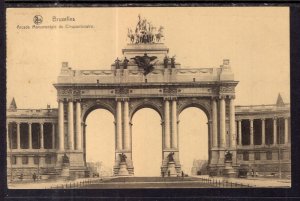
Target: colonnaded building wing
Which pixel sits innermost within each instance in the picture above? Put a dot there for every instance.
(51, 142)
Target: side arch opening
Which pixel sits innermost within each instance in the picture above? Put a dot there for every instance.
(99, 141)
(193, 140)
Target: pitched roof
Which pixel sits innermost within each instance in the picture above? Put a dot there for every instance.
(13, 105)
(279, 101)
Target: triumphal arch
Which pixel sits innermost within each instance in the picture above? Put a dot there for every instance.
(145, 76)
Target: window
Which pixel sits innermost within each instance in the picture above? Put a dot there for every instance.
(36, 159)
(14, 160)
(257, 156)
(48, 159)
(24, 160)
(269, 155)
(245, 156)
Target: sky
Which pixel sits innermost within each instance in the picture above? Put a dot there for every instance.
(256, 40)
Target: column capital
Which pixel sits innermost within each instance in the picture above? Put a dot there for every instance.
(275, 118)
(70, 100)
(173, 98)
(167, 98)
(126, 99)
(29, 123)
(60, 100)
(222, 97)
(214, 98)
(231, 97)
(263, 119)
(119, 99)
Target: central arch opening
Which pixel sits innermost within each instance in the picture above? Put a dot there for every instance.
(99, 142)
(193, 141)
(146, 142)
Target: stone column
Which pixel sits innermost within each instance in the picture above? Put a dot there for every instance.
(251, 132)
(130, 130)
(61, 136)
(222, 122)
(70, 125)
(174, 124)
(119, 126)
(167, 124)
(232, 123)
(126, 126)
(286, 130)
(18, 136)
(214, 123)
(178, 133)
(30, 135)
(263, 132)
(53, 136)
(275, 131)
(78, 127)
(240, 131)
(41, 135)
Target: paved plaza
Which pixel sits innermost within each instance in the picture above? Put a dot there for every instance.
(154, 182)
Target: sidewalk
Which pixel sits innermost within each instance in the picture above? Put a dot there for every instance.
(46, 184)
(255, 181)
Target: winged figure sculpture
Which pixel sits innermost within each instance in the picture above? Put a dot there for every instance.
(145, 62)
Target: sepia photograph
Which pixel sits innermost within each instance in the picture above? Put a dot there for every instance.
(148, 97)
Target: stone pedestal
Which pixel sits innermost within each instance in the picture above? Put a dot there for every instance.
(228, 170)
(123, 169)
(171, 169)
(65, 172)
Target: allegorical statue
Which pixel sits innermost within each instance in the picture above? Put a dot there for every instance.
(228, 156)
(166, 60)
(117, 63)
(65, 159)
(145, 32)
(145, 62)
(122, 157)
(125, 63)
(173, 62)
(171, 157)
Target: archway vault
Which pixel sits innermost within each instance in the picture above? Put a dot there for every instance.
(90, 105)
(203, 104)
(138, 104)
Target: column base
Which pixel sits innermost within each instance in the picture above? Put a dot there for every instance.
(229, 171)
(165, 162)
(123, 169)
(76, 167)
(171, 170)
(129, 163)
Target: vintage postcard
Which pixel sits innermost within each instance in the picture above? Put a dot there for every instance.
(152, 97)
